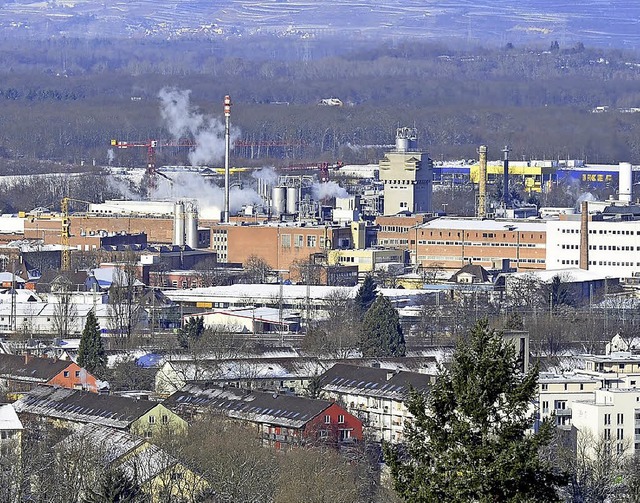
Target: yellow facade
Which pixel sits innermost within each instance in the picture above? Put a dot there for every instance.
(366, 260)
(158, 421)
(532, 176)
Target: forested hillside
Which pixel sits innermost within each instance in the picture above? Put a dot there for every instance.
(63, 100)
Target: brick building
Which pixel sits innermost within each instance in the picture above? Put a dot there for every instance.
(452, 243)
(280, 245)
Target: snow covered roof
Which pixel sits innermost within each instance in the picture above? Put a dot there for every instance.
(476, 224)
(568, 275)
(8, 418)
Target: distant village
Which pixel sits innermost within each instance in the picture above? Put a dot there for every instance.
(247, 310)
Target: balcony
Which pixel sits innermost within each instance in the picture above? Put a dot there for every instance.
(562, 412)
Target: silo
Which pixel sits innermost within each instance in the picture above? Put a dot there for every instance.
(292, 200)
(624, 182)
(178, 224)
(191, 225)
(279, 200)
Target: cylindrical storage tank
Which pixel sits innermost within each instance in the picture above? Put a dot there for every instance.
(625, 182)
(402, 144)
(191, 225)
(292, 200)
(178, 224)
(279, 200)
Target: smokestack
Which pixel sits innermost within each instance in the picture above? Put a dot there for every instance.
(227, 147)
(482, 182)
(505, 181)
(625, 182)
(584, 236)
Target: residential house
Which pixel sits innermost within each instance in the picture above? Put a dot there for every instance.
(10, 431)
(21, 373)
(140, 417)
(375, 395)
(290, 374)
(282, 420)
(160, 475)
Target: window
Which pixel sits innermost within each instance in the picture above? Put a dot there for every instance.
(324, 433)
(327, 419)
(286, 240)
(165, 419)
(299, 241)
(148, 434)
(607, 434)
(340, 419)
(152, 419)
(65, 373)
(77, 373)
(620, 418)
(607, 419)
(620, 435)
(545, 387)
(545, 407)
(311, 241)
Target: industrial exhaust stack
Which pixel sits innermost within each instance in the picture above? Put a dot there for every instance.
(227, 148)
(505, 182)
(625, 177)
(482, 183)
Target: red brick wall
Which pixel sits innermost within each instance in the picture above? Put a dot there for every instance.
(75, 376)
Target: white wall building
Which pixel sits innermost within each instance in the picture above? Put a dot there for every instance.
(614, 246)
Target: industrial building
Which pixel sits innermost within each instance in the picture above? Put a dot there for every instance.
(407, 176)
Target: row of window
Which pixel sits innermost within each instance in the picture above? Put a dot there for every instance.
(479, 243)
(327, 419)
(601, 231)
(298, 241)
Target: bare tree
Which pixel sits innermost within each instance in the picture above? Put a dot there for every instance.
(124, 311)
(257, 269)
(65, 312)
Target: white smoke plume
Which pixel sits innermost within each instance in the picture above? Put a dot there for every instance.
(267, 175)
(210, 197)
(110, 156)
(326, 190)
(585, 196)
(183, 119)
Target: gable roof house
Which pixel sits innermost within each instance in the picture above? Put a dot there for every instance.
(281, 420)
(374, 395)
(21, 373)
(140, 417)
(161, 476)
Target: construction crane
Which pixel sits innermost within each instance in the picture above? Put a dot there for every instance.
(151, 146)
(65, 232)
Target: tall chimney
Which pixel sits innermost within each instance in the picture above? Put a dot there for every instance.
(505, 181)
(482, 183)
(227, 148)
(584, 236)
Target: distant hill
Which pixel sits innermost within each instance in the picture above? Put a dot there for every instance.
(607, 23)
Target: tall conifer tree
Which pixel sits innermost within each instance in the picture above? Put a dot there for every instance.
(469, 438)
(91, 353)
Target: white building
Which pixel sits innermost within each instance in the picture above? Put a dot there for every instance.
(614, 245)
(613, 415)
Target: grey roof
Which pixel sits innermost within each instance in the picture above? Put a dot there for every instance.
(83, 407)
(30, 368)
(270, 408)
(138, 457)
(373, 382)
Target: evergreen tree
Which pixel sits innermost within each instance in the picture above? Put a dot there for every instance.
(381, 331)
(469, 438)
(91, 354)
(366, 295)
(191, 331)
(115, 487)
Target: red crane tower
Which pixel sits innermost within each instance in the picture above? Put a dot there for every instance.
(151, 146)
